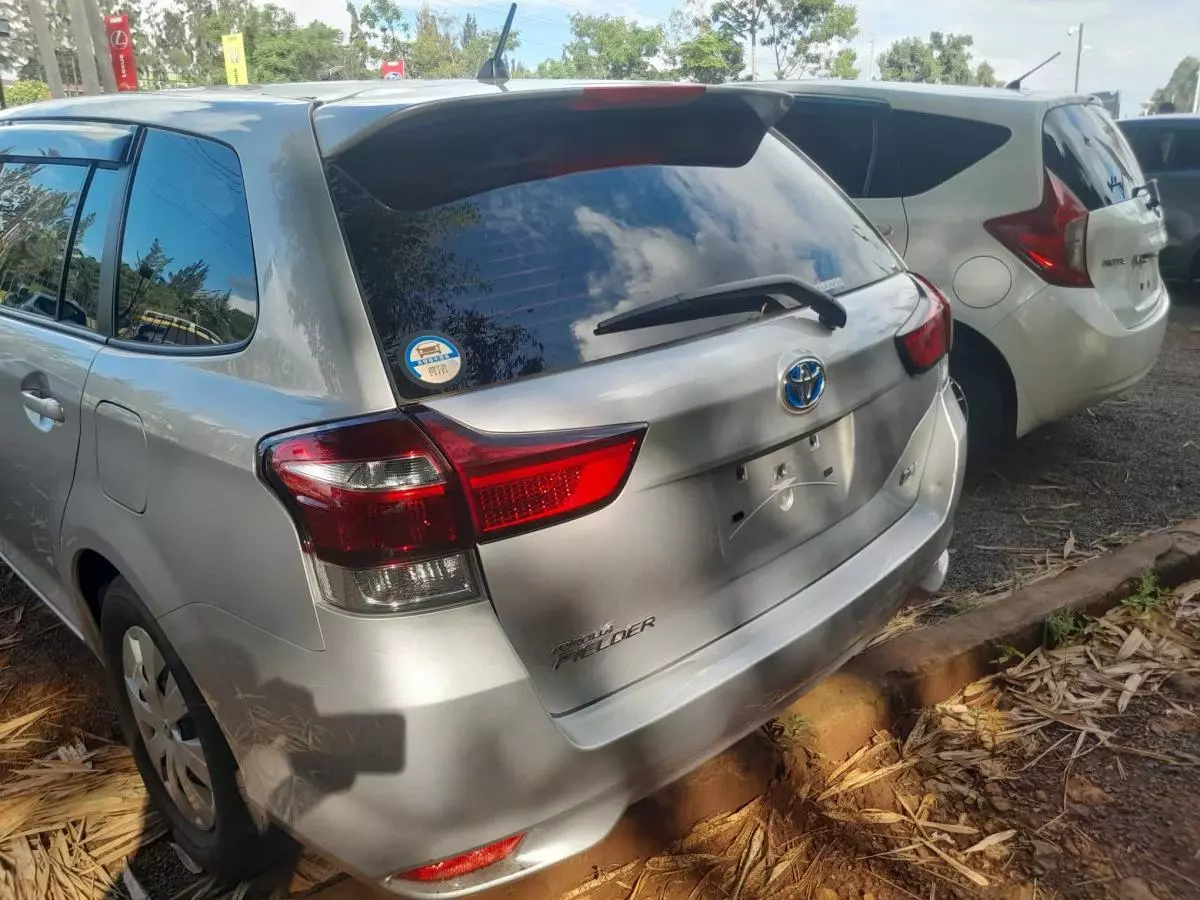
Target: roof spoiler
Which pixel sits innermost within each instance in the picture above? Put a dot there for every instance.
(341, 128)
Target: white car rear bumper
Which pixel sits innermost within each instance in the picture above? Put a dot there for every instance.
(1067, 349)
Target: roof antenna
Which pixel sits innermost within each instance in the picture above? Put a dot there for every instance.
(1015, 84)
(493, 70)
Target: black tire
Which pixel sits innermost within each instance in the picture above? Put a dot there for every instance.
(233, 848)
(989, 425)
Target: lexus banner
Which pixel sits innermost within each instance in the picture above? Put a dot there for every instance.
(120, 51)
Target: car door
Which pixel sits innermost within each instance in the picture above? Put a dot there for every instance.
(57, 184)
(853, 140)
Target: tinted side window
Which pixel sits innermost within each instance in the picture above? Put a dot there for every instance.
(37, 209)
(1084, 148)
(82, 295)
(935, 148)
(187, 267)
(839, 137)
(1166, 149)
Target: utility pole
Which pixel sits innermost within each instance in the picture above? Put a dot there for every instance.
(753, 40)
(871, 64)
(41, 30)
(1196, 93)
(1078, 56)
(83, 48)
(95, 20)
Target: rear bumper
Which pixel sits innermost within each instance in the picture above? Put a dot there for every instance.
(411, 739)
(1067, 349)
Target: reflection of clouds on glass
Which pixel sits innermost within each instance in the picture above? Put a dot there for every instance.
(766, 218)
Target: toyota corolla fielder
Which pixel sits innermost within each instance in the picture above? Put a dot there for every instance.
(497, 456)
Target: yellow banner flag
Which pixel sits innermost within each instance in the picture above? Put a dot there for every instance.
(235, 59)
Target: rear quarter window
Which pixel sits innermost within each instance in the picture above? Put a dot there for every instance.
(519, 276)
(934, 148)
(1083, 146)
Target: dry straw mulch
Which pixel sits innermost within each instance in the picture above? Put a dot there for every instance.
(916, 804)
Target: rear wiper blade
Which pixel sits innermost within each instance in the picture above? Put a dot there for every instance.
(746, 296)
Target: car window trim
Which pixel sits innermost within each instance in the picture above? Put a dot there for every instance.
(54, 324)
(115, 241)
(66, 263)
(74, 141)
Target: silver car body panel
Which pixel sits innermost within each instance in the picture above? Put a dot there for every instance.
(426, 735)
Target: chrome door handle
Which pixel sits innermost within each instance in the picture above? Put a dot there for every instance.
(885, 229)
(47, 407)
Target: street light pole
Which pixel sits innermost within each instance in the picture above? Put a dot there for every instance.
(1078, 57)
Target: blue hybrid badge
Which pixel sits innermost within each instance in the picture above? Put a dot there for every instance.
(803, 385)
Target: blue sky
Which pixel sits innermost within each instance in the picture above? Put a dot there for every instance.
(1134, 44)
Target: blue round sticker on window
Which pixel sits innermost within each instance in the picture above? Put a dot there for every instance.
(432, 359)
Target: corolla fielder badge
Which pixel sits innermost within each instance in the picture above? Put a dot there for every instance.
(803, 385)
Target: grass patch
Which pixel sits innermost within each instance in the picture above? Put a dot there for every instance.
(1008, 653)
(1149, 594)
(1063, 627)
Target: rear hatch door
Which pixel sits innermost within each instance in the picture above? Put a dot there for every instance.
(1084, 148)
(518, 228)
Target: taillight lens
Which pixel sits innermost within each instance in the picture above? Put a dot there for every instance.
(464, 863)
(1051, 238)
(517, 482)
(391, 507)
(927, 337)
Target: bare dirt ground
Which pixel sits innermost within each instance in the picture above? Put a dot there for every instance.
(1073, 773)
(1102, 476)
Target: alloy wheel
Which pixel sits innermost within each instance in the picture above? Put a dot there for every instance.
(167, 729)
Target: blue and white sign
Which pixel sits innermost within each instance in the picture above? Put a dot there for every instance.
(431, 359)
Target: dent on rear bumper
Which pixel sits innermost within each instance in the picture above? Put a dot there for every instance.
(411, 739)
(1067, 349)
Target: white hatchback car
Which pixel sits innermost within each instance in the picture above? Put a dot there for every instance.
(1028, 210)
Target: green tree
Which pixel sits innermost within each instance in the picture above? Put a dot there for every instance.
(22, 92)
(384, 28)
(843, 66)
(802, 34)
(943, 59)
(744, 18)
(1180, 89)
(606, 47)
(310, 53)
(713, 56)
(954, 57)
(985, 75)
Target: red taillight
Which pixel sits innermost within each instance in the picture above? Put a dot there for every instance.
(516, 482)
(471, 861)
(1051, 238)
(927, 339)
(392, 506)
(626, 95)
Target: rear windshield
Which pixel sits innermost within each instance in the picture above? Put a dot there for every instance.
(1084, 148)
(518, 275)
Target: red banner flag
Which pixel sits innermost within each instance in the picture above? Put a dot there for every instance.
(392, 69)
(120, 51)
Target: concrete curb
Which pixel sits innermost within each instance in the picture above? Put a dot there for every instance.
(882, 687)
(878, 690)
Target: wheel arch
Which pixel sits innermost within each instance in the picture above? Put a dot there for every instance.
(972, 349)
